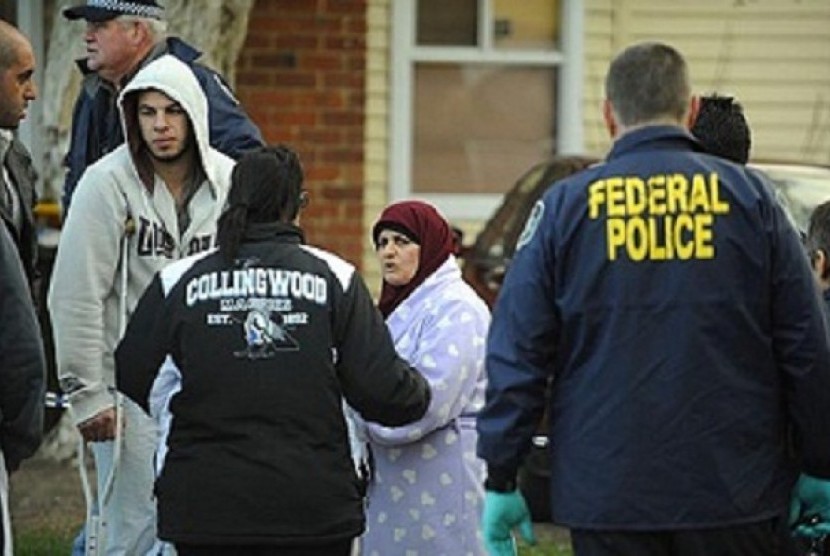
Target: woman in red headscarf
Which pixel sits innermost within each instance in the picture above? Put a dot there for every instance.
(427, 489)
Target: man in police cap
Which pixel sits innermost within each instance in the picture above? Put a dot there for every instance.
(668, 296)
(121, 37)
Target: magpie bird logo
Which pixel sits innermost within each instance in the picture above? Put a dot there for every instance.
(264, 338)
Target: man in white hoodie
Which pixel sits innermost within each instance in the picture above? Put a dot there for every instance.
(153, 200)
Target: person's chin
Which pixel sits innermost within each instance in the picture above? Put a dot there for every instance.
(393, 280)
(168, 155)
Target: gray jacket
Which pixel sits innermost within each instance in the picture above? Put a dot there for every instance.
(87, 301)
(18, 163)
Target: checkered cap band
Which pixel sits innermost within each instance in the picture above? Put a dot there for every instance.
(128, 8)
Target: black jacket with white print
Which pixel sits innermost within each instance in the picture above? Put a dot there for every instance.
(246, 366)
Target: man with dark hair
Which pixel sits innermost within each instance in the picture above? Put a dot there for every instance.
(667, 296)
(121, 37)
(152, 200)
(722, 129)
(17, 182)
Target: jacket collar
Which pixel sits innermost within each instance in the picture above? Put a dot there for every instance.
(654, 137)
(280, 231)
(172, 45)
(6, 139)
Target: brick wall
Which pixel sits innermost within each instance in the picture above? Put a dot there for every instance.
(301, 77)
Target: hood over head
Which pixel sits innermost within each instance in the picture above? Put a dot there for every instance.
(422, 223)
(169, 75)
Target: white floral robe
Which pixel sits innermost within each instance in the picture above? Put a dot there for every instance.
(427, 492)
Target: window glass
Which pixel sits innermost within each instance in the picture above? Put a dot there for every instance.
(447, 22)
(478, 127)
(526, 24)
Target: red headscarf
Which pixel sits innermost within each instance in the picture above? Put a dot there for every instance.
(422, 223)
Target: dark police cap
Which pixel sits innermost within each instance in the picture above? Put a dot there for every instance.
(104, 10)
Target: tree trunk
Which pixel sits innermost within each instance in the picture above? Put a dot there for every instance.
(217, 27)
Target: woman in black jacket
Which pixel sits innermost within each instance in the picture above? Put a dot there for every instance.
(260, 343)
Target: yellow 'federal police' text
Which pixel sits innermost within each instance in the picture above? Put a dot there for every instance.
(657, 218)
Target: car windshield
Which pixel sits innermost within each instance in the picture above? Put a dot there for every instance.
(801, 188)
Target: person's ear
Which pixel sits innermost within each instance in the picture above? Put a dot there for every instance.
(609, 118)
(820, 264)
(692, 111)
(140, 33)
(823, 264)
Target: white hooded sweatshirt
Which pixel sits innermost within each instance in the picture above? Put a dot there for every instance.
(85, 298)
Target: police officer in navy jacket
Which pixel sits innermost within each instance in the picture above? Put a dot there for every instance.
(668, 297)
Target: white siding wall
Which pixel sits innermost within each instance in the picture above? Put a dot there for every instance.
(599, 49)
(774, 55)
(376, 175)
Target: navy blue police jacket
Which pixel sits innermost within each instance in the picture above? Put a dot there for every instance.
(668, 298)
(96, 126)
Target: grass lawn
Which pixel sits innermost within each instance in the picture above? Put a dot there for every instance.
(44, 542)
(551, 541)
(47, 508)
(546, 549)
(48, 540)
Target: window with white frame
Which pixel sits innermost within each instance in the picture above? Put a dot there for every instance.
(482, 90)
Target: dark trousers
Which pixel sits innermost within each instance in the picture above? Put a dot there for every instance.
(339, 548)
(765, 538)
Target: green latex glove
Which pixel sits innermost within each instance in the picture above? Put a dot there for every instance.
(810, 507)
(502, 512)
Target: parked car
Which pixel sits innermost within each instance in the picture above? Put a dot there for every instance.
(800, 188)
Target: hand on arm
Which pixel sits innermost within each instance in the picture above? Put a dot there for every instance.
(377, 383)
(451, 358)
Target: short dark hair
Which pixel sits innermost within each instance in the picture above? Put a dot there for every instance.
(818, 230)
(266, 186)
(646, 82)
(722, 128)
